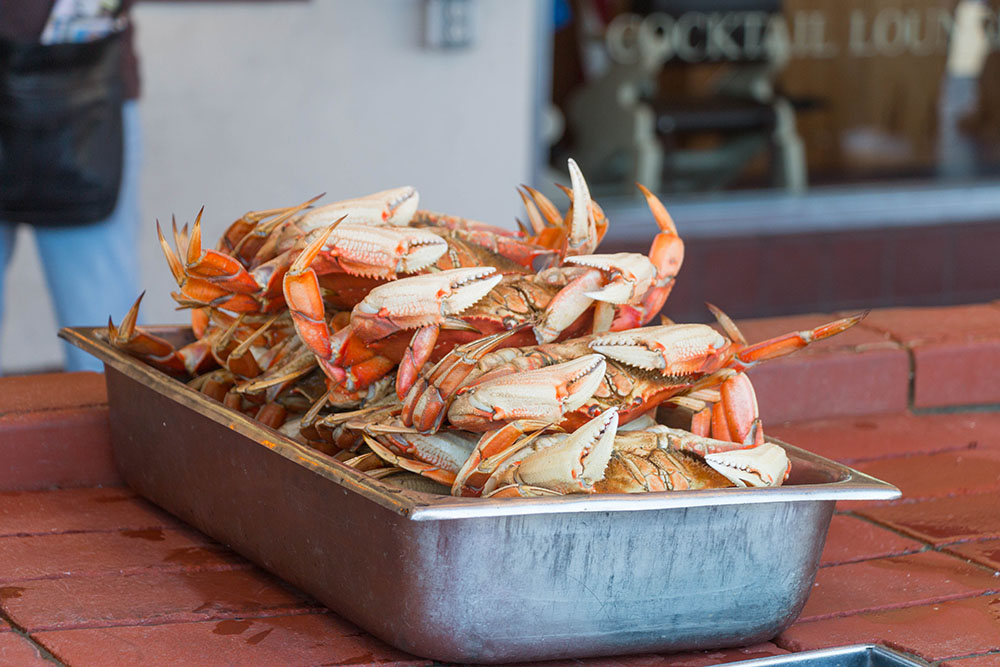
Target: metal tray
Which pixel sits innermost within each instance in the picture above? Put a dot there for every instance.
(867, 655)
(473, 580)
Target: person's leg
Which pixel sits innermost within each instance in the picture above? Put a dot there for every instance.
(8, 235)
(93, 270)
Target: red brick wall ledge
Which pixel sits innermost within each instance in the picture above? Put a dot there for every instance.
(54, 428)
(54, 432)
(895, 359)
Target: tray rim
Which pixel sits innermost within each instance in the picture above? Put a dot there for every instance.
(416, 506)
(848, 651)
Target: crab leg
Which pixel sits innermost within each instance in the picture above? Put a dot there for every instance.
(429, 470)
(249, 245)
(192, 359)
(582, 236)
(438, 456)
(305, 302)
(197, 292)
(546, 221)
(735, 417)
(781, 345)
(671, 349)
(698, 349)
(538, 223)
(216, 267)
(424, 303)
(244, 234)
(567, 305)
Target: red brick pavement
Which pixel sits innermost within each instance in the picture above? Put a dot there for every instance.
(97, 576)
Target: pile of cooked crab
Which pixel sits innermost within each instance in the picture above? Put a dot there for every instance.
(448, 355)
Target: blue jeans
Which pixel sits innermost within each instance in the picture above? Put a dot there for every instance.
(92, 271)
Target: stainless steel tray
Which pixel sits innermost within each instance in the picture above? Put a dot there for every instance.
(867, 655)
(472, 580)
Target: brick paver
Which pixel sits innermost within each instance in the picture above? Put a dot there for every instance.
(313, 639)
(989, 660)
(126, 551)
(78, 510)
(933, 632)
(54, 431)
(16, 651)
(869, 382)
(955, 351)
(943, 520)
(953, 473)
(901, 581)
(869, 371)
(851, 539)
(149, 598)
(51, 392)
(985, 552)
(853, 440)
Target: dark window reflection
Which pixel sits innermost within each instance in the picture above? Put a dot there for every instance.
(706, 95)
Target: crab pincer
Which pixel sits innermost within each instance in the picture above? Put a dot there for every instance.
(426, 303)
(393, 207)
(430, 396)
(609, 279)
(561, 463)
(546, 393)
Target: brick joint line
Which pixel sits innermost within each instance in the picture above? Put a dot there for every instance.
(879, 524)
(147, 569)
(24, 634)
(927, 546)
(896, 606)
(100, 531)
(957, 409)
(944, 449)
(87, 407)
(170, 619)
(975, 655)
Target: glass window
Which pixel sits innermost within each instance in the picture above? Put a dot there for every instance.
(714, 95)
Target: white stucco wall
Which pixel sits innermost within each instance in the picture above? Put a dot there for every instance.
(260, 105)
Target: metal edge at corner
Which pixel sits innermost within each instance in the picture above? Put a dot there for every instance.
(854, 650)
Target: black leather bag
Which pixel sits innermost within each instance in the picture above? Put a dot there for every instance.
(61, 137)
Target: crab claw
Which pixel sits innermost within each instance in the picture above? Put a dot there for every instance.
(382, 252)
(419, 301)
(629, 275)
(426, 404)
(546, 394)
(672, 349)
(493, 450)
(763, 465)
(582, 237)
(388, 207)
(577, 462)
